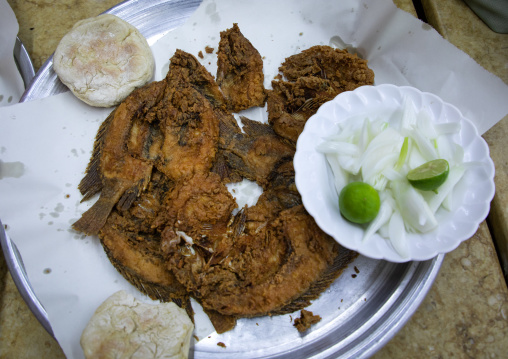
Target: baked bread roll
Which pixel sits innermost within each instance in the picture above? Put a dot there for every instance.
(123, 327)
(103, 59)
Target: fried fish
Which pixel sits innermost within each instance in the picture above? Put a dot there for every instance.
(254, 150)
(309, 79)
(240, 71)
(113, 170)
(165, 217)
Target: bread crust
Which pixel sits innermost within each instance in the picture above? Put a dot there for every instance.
(123, 327)
(103, 59)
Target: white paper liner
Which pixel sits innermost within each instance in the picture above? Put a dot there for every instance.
(45, 144)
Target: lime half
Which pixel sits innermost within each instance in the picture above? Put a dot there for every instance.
(359, 202)
(430, 175)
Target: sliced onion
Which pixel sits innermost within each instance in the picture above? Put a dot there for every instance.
(381, 155)
(397, 234)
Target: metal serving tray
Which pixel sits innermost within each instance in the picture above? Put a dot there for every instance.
(360, 312)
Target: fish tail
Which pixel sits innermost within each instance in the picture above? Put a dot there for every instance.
(95, 217)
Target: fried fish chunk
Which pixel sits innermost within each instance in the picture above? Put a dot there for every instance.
(132, 244)
(190, 130)
(309, 79)
(264, 271)
(253, 152)
(240, 71)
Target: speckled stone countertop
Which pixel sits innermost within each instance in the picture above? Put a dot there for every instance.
(465, 314)
(455, 21)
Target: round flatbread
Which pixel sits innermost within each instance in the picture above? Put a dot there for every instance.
(103, 59)
(123, 327)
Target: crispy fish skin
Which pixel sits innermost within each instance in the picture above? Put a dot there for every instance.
(291, 104)
(190, 130)
(276, 261)
(133, 245)
(309, 79)
(344, 70)
(113, 171)
(186, 69)
(199, 205)
(239, 71)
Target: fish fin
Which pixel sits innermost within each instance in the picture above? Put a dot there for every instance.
(222, 168)
(222, 323)
(238, 166)
(256, 128)
(136, 256)
(312, 104)
(91, 183)
(238, 222)
(341, 261)
(95, 217)
(128, 198)
(228, 128)
(130, 195)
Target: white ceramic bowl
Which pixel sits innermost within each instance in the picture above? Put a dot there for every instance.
(314, 179)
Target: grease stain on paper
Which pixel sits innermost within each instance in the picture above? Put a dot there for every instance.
(211, 9)
(58, 209)
(11, 169)
(9, 99)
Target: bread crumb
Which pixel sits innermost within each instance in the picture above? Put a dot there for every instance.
(200, 54)
(209, 49)
(221, 344)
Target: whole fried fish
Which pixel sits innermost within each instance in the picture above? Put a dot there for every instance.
(157, 123)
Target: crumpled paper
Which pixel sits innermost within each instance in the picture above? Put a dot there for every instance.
(11, 82)
(45, 144)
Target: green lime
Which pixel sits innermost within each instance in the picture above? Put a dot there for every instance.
(359, 202)
(430, 175)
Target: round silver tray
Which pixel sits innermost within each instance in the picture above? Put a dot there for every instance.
(23, 62)
(360, 312)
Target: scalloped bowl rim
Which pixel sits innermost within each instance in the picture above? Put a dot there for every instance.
(313, 178)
